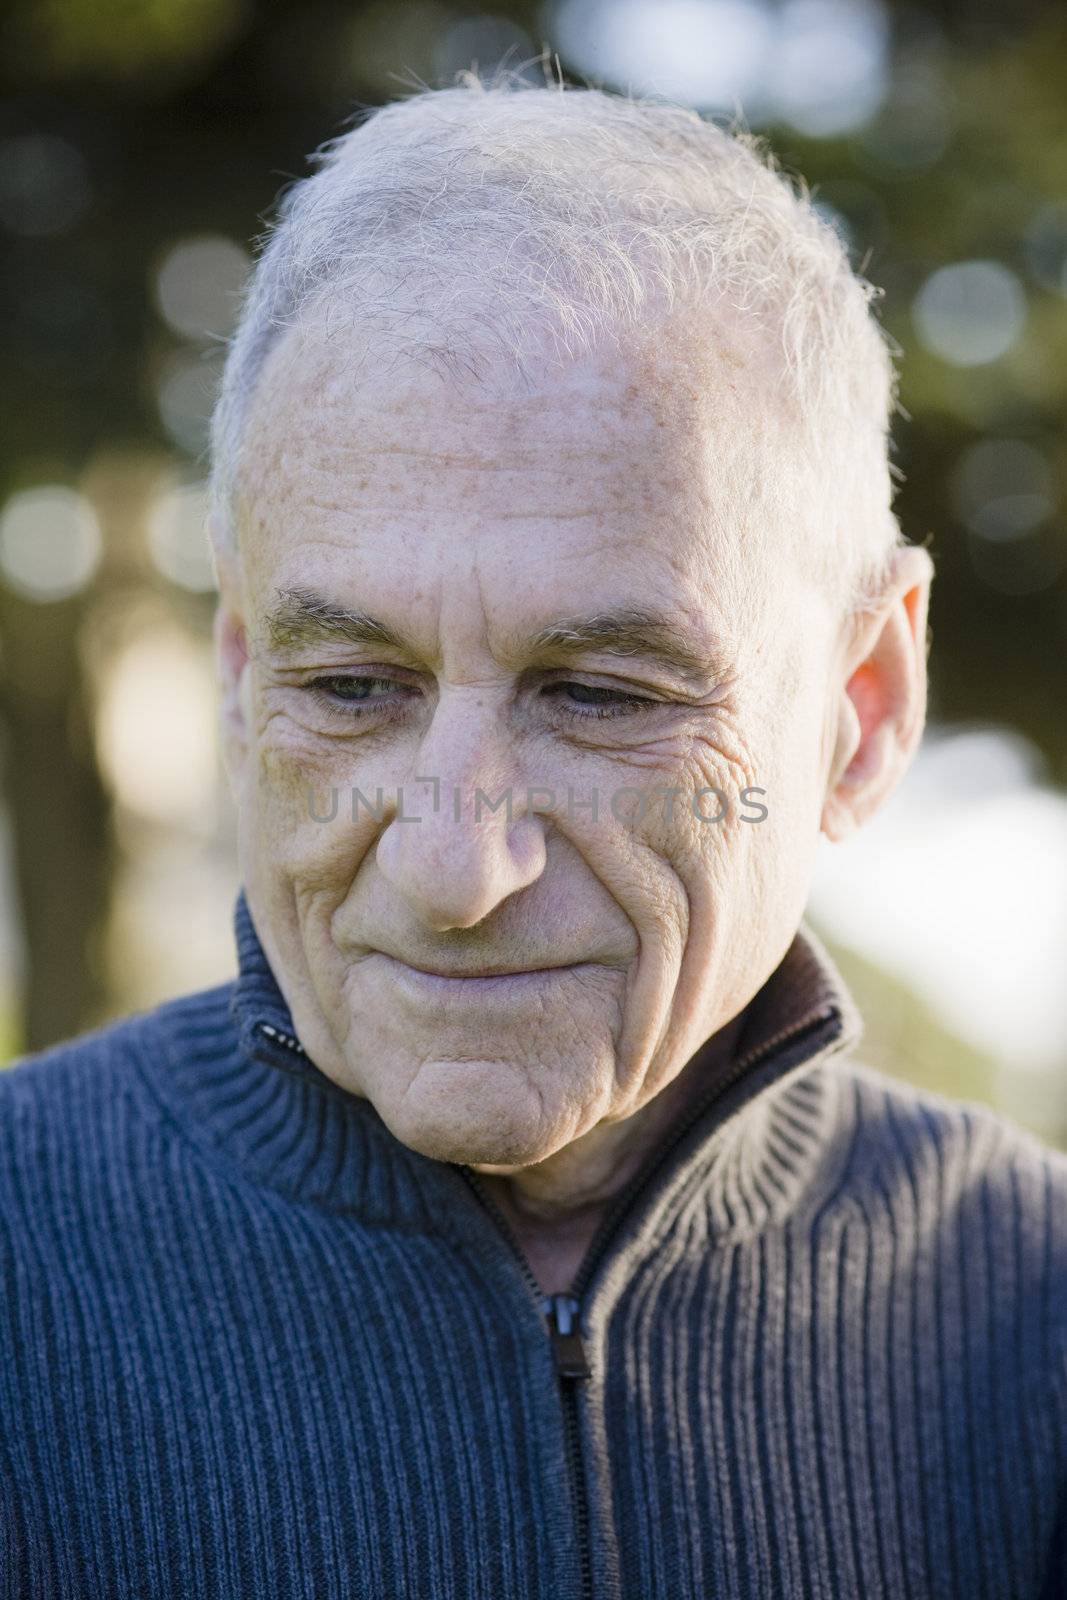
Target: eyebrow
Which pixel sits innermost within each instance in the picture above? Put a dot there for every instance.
(302, 618)
(633, 631)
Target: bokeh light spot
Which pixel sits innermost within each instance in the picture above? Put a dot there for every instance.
(50, 543)
(156, 727)
(177, 536)
(185, 395)
(819, 64)
(706, 53)
(829, 65)
(199, 284)
(970, 313)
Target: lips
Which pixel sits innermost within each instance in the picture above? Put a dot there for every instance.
(482, 982)
(482, 969)
(487, 972)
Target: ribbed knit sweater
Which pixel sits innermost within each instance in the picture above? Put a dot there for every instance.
(253, 1346)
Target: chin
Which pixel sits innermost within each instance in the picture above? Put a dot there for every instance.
(471, 1112)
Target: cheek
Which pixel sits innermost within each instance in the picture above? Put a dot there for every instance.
(299, 809)
(716, 834)
(720, 768)
(294, 786)
(760, 858)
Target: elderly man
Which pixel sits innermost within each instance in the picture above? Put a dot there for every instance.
(518, 1224)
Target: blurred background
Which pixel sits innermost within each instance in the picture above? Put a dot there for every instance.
(142, 143)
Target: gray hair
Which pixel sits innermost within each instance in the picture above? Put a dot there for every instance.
(466, 224)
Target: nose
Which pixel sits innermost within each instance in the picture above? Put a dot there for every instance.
(467, 845)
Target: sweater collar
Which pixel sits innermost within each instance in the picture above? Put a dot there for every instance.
(248, 1089)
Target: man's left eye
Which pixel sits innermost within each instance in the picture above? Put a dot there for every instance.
(593, 700)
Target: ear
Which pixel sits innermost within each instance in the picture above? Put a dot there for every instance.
(231, 656)
(881, 698)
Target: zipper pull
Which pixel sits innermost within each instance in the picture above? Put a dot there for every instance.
(562, 1313)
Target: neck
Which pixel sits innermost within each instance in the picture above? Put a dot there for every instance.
(555, 1207)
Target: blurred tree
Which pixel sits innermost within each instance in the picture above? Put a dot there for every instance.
(62, 840)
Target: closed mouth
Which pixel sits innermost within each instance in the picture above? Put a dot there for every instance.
(456, 975)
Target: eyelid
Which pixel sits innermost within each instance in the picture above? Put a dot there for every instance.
(622, 702)
(592, 679)
(359, 671)
(620, 691)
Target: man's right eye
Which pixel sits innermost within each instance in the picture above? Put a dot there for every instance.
(354, 693)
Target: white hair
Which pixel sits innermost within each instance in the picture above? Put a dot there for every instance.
(464, 224)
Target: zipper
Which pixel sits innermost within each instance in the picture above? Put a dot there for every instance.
(567, 1347)
(562, 1313)
(278, 1037)
(572, 1366)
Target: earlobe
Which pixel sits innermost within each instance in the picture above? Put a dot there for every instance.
(848, 735)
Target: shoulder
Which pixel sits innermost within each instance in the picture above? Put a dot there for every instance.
(946, 1178)
(75, 1114)
(952, 1153)
(898, 1129)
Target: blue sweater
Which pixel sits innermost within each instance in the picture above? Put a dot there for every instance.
(252, 1346)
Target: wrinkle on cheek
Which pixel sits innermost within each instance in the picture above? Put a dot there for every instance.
(291, 764)
(305, 825)
(268, 716)
(667, 753)
(725, 762)
(663, 899)
(651, 763)
(285, 742)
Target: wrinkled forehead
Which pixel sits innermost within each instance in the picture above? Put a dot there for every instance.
(677, 443)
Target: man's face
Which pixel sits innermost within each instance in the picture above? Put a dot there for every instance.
(582, 587)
